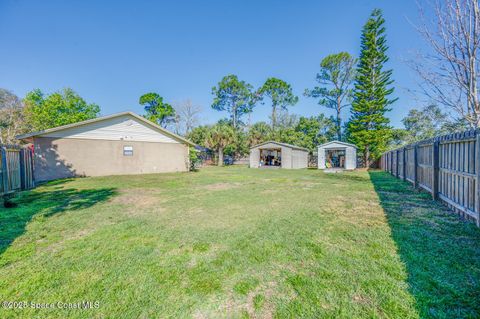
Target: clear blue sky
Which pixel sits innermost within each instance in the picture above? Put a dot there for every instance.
(111, 52)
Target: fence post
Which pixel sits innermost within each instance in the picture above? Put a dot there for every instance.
(404, 164)
(31, 181)
(396, 163)
(4, 169)
(436, 170)
(415, 164)
(22, 169)
(391, 162)
(477, 175)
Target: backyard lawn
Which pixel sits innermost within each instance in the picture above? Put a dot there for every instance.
(237, 242)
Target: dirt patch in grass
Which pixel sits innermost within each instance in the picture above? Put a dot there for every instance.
(256, 304)
(259, 304)
(57, 246)
(362, 299)
(137, 201)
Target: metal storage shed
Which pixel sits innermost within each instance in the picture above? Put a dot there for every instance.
(278, 155)
(337, 154)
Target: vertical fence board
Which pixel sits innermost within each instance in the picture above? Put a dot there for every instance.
(4, 170)
(447, 166)
(16, 169)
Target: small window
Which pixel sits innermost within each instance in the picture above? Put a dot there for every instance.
(128, 151)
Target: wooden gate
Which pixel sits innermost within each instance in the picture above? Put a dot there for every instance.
(16, 169)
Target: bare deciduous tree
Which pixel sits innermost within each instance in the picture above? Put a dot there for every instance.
(12, 120)
(450, 73)
(186, 117)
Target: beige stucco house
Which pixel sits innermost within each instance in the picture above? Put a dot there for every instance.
(122, 143)
(281, 155)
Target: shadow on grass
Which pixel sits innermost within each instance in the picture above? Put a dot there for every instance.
(441, 253)
(46, 202)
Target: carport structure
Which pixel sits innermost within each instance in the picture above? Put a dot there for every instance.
(273, 154)
(337, 155)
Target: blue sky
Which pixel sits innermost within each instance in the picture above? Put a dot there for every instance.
(111, 52)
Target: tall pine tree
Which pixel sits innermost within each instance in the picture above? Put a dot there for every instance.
(368, 127)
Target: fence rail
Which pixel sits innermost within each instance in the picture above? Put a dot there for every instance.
(16, 169)
(447, 166)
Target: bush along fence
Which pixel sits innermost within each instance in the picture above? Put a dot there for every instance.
(446, 166)
(16, 169)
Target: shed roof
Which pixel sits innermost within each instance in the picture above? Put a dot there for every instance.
(336, 142)
(103, 118)
(282, 144)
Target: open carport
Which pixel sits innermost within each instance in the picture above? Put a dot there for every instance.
(278, 155)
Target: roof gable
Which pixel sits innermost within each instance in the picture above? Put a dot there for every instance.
(336, 144)
(281, 144)
(125, 126)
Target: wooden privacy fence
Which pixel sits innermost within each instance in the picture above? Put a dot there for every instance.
(446, 166)
(16, 169)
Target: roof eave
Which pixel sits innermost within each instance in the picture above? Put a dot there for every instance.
(339, 142)
(103, 118)
(282, 144)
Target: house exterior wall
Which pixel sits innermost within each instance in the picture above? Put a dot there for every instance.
(69, 157)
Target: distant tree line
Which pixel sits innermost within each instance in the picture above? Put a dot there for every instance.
(343, 81)
(39, 111)
(449, 76)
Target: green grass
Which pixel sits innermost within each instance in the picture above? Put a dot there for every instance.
(237, 242)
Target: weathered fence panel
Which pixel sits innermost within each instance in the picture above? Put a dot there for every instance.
(16, 169)
(409, 163)
(446, 166)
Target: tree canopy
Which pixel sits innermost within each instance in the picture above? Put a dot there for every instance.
(337, 72)
(219, 137)
(368, 126)
(12, 121)
(156, 110)
(280, 94)
(424, 123)
(56, 109)
(234, 96)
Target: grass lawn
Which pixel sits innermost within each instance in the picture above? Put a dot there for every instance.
(237, 242)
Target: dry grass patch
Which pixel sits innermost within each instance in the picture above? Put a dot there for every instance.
(139, 202)
(221, 186)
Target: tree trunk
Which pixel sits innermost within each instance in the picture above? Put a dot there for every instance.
(220, 156)
(234, 116)
(367, 157)
(339, 120)
(274, 116)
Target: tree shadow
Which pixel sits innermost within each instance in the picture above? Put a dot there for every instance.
(440, 251)
(46, 202)
(49, 165)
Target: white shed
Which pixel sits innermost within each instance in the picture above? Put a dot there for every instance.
(273, 154)
(337, 154)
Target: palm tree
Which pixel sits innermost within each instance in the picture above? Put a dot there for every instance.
(258, 133)
(219, 137)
